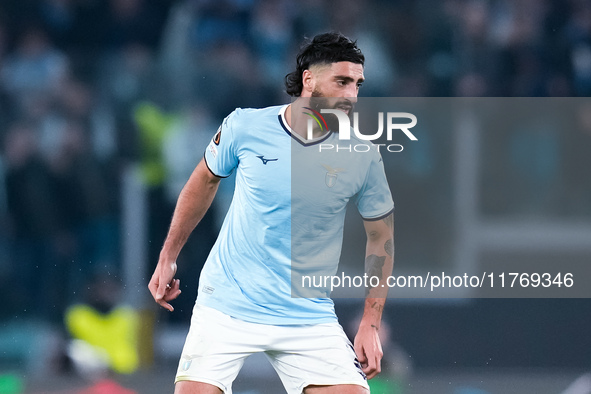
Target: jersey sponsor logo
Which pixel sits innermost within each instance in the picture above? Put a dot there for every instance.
(217, 136)
(207, 289)
(332, 175)
(265, 161)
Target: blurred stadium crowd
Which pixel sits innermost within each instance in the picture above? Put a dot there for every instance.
(88, 87)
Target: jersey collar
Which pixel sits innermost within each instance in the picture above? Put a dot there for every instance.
(296, 136)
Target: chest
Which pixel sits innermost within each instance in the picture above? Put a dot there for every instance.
(281, 170)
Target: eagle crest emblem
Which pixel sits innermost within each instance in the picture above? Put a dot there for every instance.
(331, 175)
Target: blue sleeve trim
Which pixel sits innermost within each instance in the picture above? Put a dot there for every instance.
(210, 170)
(379, 217)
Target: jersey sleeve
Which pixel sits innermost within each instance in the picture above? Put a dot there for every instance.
(220, 155)
(374, 200)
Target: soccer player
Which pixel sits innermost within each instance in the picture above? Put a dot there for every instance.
(285, 221)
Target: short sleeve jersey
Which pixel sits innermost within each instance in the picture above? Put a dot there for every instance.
(286, 217)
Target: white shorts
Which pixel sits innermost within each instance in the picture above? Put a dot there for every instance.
(217, 346)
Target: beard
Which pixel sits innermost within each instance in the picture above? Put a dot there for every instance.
(319, 101)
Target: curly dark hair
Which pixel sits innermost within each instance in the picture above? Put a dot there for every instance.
(324, 48)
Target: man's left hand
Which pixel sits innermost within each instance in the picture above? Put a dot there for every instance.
(369, 350)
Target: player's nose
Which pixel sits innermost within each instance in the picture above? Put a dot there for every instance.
(352, 94)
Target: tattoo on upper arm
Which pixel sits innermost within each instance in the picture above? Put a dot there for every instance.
(389, 220)
(389, 247)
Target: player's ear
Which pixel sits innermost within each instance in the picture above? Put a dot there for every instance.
(308, 81)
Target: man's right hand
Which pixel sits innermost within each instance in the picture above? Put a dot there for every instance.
(163, 286)
(193, 202)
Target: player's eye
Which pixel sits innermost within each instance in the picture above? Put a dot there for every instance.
(341, 82)
(359, 85)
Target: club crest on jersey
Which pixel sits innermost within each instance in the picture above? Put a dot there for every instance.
(186, 364)
(332, 175)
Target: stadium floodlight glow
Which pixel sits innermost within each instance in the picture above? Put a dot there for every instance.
(345, 124)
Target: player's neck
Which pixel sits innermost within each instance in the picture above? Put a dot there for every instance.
(298, 121)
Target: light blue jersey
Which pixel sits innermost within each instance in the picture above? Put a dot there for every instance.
(286, 218)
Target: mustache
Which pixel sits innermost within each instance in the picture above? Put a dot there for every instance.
(322, 103)
(344, 104)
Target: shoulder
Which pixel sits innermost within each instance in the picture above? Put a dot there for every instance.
(243, 124)
(245, 116)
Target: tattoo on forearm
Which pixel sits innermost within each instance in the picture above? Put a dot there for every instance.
(377, 307)
(389, 247)
(374, 265)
